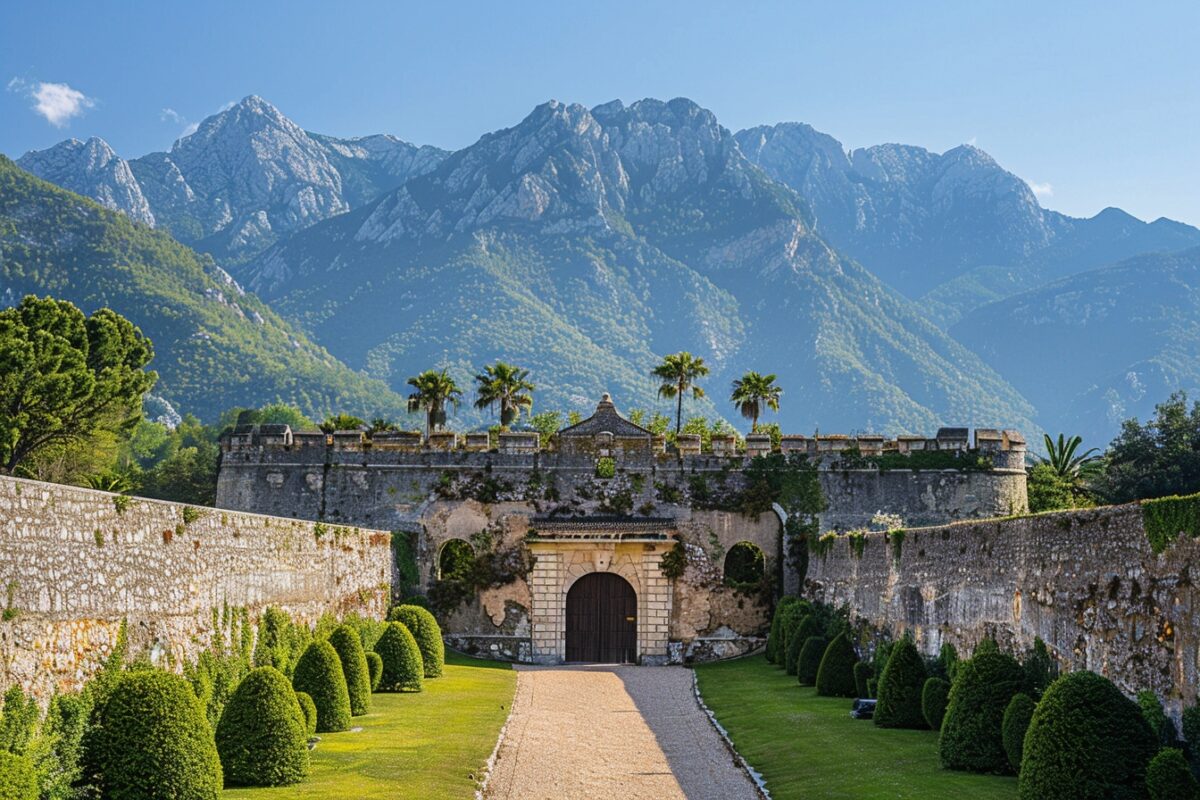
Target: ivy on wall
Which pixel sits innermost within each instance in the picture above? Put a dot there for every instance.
(1166, 518)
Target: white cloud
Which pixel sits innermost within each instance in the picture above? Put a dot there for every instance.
(58, 103)
(972, 140)
(173, 116)
(1041, 190)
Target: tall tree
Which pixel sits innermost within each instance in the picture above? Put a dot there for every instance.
(678, 373)
(752, 393)
(342, 422)
(432, 391)
(1157, 458)
(506, 386)
(65, 377)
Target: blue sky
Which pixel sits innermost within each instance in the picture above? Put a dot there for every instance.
(1096, 104)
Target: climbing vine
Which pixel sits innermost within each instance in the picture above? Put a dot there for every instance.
(1166, 518)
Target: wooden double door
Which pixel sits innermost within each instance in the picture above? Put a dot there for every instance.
(602, 620)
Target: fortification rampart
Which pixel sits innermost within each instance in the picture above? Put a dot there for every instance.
(1086, 582)
(75, 562)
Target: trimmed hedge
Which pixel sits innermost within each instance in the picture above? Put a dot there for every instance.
(1013, 728)
(900, 686)
(804, 629)
(809, 660)
(835, 675)
(261, 739)
(425, 629)
(1168, 777)
(1157, 719)
(402, 667)
(308, 712)
(1086, 740)
(319, 674)
(374, 669)
(972, 733)
(346, 642)
(774, 652)
(935, 695)
(948, 662)
(17, 778)
(151, 706)
(863, 673)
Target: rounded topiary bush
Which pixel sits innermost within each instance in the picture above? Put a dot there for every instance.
(1168, 777)
(1013, 728)
(899, 689)
(17, 778)
(835, 675)
(809, 660)
(801, 631)
(261, 739)
(425, 629)
(774, 638)
(972, 737)
(346, 642)
(152, 706)
(308, 712)
(1086, 740)
(374, 669)
(402, 668)
(864, 672)
(319, 674)
(934, 697)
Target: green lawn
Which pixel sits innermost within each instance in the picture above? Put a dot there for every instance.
(808, 747)
(428, 745)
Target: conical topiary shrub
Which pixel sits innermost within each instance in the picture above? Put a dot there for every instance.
(425, 629)
(835, 676)
(972, 733)
(18, 781)
(375, 669)
(402, 667)
(809, 660)
(1015, 724)
(1086, 739)
(261, 739)
(154, 707)
(934, 697)
(776, 646)
(864, 672)
(1168, 777)
(899, 690)
(319, 674)
(800, 632)
(346, 642)
(308, 712)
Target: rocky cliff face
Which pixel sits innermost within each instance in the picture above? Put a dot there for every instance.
(93, 169)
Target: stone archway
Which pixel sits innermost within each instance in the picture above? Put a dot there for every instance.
(601, 624)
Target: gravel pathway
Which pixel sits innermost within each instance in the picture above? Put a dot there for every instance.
(618, 733)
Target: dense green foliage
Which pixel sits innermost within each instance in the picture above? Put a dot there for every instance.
(1086, 740)
(864, 672)
(1156, 717)
(261, 737)
(935, 696)
(425, 629)
(1166, 518)
(1168, 777)
(1040, 669)
(745, 567)
(319, 674)
(808, 661)
(774, 636)
(348, 644)
(801, 631)
(900, 686)
(151, 731)
(17, 778)
(1190, 723)
(19, 721)
(1016, 722)
(835, 675)
(972, 736)
(308, 712)
(374, 669)
(1050, 492)
(403, 669)
(1159, 458)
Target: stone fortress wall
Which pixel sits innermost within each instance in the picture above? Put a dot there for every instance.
(1086, 582)
(75, 562)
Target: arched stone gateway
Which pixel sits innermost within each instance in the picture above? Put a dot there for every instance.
(601, 620)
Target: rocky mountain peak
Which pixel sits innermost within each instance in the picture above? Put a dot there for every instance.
(94, 169)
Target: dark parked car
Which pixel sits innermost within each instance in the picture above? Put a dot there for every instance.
(863, 709)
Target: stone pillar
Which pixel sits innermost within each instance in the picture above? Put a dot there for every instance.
(546, 617)
(654, 612)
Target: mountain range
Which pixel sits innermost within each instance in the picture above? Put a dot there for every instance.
(585, 243)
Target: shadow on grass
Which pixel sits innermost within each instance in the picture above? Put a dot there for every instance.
(464, 660)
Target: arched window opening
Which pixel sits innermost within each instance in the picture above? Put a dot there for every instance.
(745, 566)
(455, 560)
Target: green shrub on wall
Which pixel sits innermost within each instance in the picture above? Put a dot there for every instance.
(808, 663)
(1013, 728)
(934, 697)
(319, 674)
(1168, 517)
(900, 686)
(1169, 778)
(402, 667)
(835, 675)
(425, 629)
(972, 733)
(346, 642)
(261, 738)
(1086, 739)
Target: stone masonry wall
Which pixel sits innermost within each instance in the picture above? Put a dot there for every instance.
(74, 562)
(1085, 582)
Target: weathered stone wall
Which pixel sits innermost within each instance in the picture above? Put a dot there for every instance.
(75, 562)
(1085, 582)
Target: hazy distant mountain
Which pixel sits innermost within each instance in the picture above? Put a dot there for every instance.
(1095, 348)
(585, 244)
(956, 226)
(216, 346)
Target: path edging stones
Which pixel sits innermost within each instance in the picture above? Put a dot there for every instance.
(490, 764)
(755, 777)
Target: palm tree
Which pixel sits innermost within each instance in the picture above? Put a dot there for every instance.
(1067, 463)
(751, 393)
(433, 390)
(506, 386)
(678, 373)
(341, 422)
